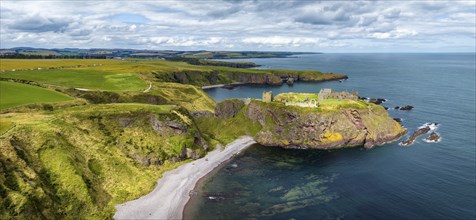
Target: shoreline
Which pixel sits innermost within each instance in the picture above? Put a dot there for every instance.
(171, 194)
(345, 77)
(223, 85)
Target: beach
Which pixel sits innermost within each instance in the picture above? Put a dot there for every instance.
(171, 193)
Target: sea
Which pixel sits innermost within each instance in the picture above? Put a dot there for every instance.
(420, 181)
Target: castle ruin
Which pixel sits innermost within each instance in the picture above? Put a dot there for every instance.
(267, 97)
(325, 94)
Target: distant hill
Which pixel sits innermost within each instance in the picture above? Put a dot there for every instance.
(29, 52)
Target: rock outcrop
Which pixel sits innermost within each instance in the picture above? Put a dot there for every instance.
(229, 108)
(417, 133)
(295, 127)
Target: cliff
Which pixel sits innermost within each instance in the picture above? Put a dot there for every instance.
(248, 76)
(352, 123)
(81, 161)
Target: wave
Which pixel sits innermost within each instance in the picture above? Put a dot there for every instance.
(433, 126)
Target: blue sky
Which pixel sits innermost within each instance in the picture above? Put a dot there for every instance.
(267, 25)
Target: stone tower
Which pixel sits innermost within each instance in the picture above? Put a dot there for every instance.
(267, 96)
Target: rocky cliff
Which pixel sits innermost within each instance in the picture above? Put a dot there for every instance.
(362, 124)
(248, 76)
(82, 161)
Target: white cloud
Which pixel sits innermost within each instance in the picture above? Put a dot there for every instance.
(239, 25)
(281, 41)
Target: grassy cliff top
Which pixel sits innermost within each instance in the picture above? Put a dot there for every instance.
(328, 105)
(295, 97)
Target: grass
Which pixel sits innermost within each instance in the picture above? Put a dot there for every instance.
(295, 97)
(82, 78)
(5, 125)
(226, 130)
(328, 105)
(9, 64)
(15, 94)
(188, 96)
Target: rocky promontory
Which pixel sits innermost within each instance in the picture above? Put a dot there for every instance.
(356, 124)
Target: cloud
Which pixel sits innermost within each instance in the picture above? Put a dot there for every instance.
(224, 12)
(128, 18)
(39, 24)
(240, 24)
(281, 41)
(398, 33)
(392, 13)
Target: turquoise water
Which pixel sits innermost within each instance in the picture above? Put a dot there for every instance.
(423, 181)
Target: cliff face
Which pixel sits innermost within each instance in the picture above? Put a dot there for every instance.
(295, 127)
(82, 161)
(262, 77)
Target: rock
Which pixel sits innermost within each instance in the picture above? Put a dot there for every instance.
(406, 108)
(434, 137)
(398, 119)
(204, 114)
(189, 153)
(417, 133)
(290, 81)
(386, 108)
(377, 101)
(229, 108)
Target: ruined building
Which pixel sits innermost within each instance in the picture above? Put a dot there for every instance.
(267, 96)
(327, 93)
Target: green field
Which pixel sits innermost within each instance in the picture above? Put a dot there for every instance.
(9, 64)
(81, 78)
(15, 94)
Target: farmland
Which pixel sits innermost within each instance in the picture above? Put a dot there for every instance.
(13, 94)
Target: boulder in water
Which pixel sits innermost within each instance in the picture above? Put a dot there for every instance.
(434, 137)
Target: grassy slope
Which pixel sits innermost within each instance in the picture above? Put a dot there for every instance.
(81, 78)
(14, 94)
(81, 161)
(225, 130)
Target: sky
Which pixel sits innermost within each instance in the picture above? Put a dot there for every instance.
(237, 25)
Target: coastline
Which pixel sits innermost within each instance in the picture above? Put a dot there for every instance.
(222, 85)
(171, 194)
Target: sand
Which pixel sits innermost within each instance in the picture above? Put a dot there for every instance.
(169, 197)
